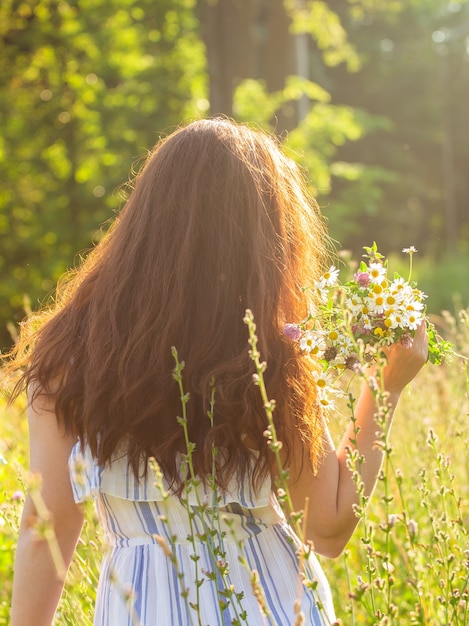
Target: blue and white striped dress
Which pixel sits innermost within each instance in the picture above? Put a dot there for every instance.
(170, 564)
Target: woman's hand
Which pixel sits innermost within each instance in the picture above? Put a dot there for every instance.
(403, 363)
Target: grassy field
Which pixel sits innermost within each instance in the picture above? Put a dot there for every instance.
(408, 562)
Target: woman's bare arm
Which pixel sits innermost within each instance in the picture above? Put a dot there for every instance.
(332, 491)
(38, 585)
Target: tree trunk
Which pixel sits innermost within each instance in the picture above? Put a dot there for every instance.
(246, 39)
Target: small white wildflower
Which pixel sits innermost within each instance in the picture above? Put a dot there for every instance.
(326, 403)
(413, 527)
(396, 320)
(375, 303)
(310, 342)
(322, 291)
(329, 278)
(412, 319)
(377, 272)
(414, 305)
(409, 250)
(354, 304)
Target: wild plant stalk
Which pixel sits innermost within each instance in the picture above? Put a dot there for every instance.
(227, 595)
(385, 585)
(355, 463)
(168, 547)
(442, 562)
(449, 536)
(295, 517)
(417, 579)
(128, 595)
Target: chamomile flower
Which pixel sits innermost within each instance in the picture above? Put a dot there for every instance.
(412, 319)
(377, 272)
(354, 304)
(375, 303)
(310, 342)
(323, 379)
(396, 320)
(326, 402)
(322, 292)
(329, 278)
(414, 305)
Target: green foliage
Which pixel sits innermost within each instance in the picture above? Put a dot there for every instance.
(320, 21)
(444, 280)
(413, 71)
(418, 517)
(85, 89)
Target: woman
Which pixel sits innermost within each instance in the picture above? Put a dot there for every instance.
(218, 222)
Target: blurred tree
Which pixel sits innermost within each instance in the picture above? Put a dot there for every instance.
(414, 72)
(246, 39)
(85, 86)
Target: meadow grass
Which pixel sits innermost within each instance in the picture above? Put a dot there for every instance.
(408, 561)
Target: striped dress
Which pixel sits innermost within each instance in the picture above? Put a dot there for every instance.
(183, 562)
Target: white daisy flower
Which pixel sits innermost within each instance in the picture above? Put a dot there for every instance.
(375, 303)
(366, 322)
(322, 291)
(354, 304)
(414, 305)
(412, 319)
(310, 342)
(344, 345)
(329, 278)
(396, 319)
(377, 272)
(323, 381)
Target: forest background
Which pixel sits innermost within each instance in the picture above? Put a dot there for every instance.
(371, 96)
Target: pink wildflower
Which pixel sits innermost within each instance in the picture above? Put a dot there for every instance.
(292, 332)
(17, 495)
(363, 279)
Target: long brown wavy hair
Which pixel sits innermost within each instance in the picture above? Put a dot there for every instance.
(218, 221)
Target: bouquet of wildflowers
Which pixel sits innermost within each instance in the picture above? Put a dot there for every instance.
(355, 320)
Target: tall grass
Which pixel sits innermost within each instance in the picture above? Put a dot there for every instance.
(408, 561)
